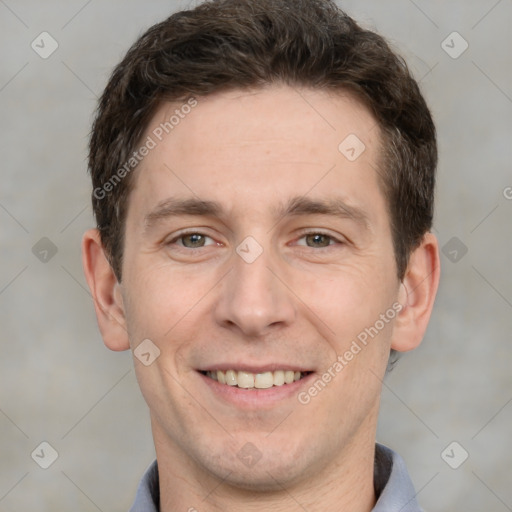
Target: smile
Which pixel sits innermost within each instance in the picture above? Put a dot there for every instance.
(248, 380)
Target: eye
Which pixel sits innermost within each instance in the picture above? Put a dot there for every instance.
(318, 240)
(192, 240)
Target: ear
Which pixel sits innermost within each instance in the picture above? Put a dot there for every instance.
(417, 294)
(106, 292)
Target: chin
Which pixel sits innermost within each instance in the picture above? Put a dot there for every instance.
(261, 482)
(270, 469)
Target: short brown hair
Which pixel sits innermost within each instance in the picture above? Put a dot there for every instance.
(240, 44)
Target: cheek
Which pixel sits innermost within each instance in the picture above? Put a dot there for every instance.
(163, 304)
(348, 299)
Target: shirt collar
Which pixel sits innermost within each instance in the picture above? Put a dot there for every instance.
(392, 483)
(392, 486)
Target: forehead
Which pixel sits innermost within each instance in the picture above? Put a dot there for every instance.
(260, 146)
(274, 115)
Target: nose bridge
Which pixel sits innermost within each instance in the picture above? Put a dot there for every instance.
(253, 299)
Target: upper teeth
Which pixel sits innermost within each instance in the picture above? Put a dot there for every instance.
(249, 380)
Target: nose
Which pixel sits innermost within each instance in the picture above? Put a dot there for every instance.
(254, 299)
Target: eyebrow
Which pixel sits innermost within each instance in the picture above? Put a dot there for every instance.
(299, 205)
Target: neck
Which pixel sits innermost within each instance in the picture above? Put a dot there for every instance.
(344, 484)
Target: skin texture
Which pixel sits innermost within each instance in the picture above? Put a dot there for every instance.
(301, 303)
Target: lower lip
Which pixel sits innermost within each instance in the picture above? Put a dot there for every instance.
(256, 398)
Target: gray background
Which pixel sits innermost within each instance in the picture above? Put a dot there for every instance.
(59, 384)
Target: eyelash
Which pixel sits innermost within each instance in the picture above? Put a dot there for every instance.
(302, 235)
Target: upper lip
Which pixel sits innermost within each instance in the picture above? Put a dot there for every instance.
(254, 368)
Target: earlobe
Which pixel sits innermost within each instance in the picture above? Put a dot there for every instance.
(417, 295)
(106, 292)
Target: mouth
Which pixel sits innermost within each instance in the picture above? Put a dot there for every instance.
(247, 380)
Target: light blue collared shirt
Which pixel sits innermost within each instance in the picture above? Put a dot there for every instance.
(393, 487)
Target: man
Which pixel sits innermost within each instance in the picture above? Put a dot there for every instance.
(263, 178)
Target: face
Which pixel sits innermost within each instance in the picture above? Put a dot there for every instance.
(258, 253)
